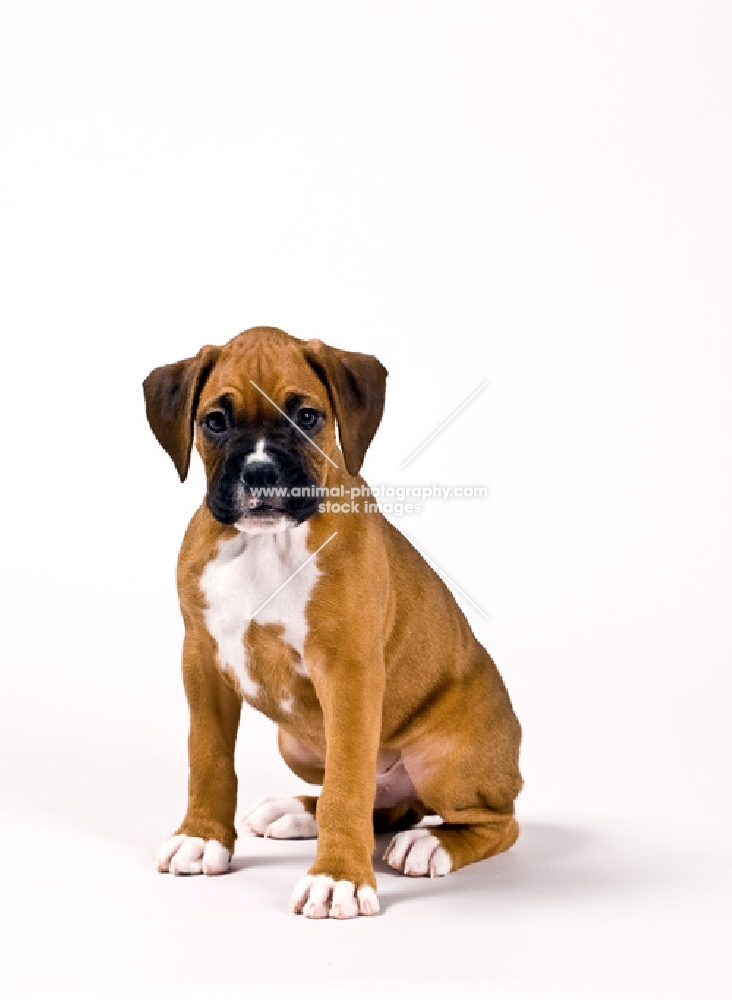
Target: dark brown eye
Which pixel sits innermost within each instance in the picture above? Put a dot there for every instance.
(307, 418)
(215, 422)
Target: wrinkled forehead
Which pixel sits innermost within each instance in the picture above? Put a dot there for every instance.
(253, 374)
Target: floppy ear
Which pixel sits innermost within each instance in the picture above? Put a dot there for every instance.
(356, 385)
(171, 397)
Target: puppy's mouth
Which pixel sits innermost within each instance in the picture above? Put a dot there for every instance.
(261, 515)
(257, 507)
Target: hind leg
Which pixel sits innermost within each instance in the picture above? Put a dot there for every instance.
(289, 818)
(439, 850)
(283, 818)
(471, 783)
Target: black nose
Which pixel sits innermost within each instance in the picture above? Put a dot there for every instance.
(259, 474)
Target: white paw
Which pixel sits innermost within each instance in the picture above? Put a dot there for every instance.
(418, 852)
(280, 818)
(182, 855)
(319, 896)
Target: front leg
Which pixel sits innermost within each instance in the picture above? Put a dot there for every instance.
(204, 842)
(341, 883)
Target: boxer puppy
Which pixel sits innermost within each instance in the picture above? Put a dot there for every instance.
(329, 623)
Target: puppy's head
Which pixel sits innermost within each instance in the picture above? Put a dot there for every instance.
(263, 411)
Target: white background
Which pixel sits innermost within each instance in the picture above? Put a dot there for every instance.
(537, 194)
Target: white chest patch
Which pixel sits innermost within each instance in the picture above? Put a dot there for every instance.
(263, 578)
